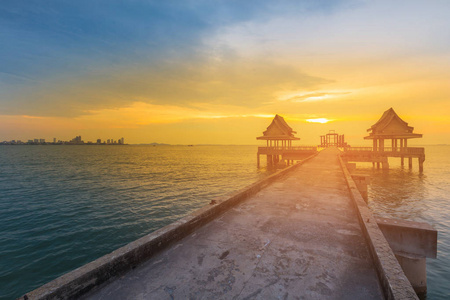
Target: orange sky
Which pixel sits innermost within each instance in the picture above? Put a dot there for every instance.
(217, 74)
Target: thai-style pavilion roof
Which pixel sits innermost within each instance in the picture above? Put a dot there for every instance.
(278, 130)
(391, 126)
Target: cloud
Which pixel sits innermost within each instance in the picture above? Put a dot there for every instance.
(40, 38)
(311, 96)
(230, 80)
(67, 57)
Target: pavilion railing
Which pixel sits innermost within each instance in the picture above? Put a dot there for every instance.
(287, 148)
(387, 150)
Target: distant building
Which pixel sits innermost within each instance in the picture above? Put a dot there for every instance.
(77, 140)
(332, 139)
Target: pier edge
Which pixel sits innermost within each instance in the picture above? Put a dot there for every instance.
(392, 279)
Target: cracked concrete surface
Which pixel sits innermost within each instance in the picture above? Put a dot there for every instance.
(298, 238)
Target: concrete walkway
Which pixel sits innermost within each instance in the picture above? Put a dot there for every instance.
(298, 238)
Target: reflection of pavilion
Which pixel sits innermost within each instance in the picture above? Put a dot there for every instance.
(279, 150)
(389, 127)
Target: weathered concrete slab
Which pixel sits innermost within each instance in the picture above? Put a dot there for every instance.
(409, 237)
(298, 238)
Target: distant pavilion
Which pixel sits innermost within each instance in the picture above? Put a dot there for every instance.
(279, 136)
(332, 139)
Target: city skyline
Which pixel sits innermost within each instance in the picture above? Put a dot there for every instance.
(75, 141)
(215, 73)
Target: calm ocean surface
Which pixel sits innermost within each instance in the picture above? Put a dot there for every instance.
(64, 206)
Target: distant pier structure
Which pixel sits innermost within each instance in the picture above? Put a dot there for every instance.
(389, 127)
(279, 150)
(332, 139)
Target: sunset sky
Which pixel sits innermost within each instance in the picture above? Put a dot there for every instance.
(216, 72)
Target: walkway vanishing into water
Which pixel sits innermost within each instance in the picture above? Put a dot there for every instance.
(298, 238)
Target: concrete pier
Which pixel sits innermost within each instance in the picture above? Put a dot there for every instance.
(298, 238)
(302, 233)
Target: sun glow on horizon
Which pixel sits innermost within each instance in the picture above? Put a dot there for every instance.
(319, 120)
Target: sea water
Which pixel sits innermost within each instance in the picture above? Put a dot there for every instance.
(407, 194)
(64, 206)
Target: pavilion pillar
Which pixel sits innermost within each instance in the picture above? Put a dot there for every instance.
(402, 158)
(257, 160)
(410, 162)
(405, 143)
(375, 142)
(381, 145)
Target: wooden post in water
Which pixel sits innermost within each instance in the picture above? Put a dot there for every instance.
(257, 160)
(385, 163)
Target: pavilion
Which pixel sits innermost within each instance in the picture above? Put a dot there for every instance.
(389, 127)
(279, 136)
